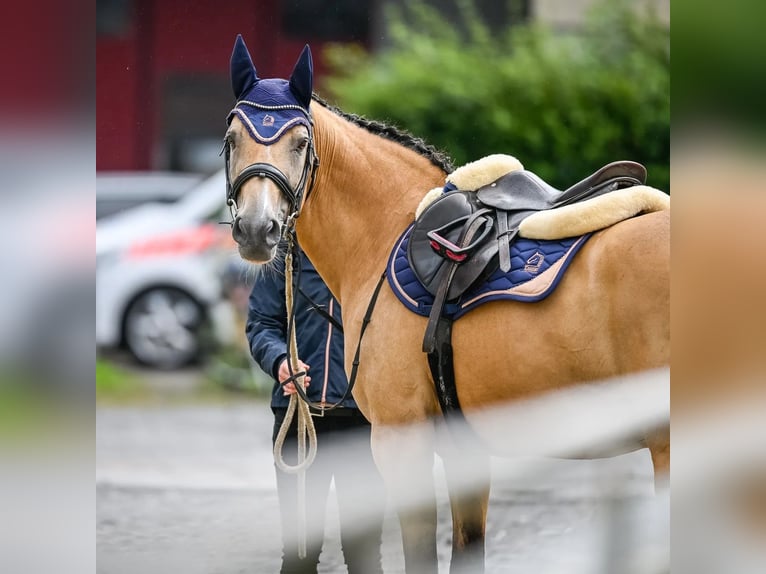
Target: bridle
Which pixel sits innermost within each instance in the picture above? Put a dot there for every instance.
(295, 196)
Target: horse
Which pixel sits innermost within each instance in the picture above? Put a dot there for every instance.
(356, 184)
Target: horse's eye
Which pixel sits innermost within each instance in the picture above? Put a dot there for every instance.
(301, 145)
(230, 141)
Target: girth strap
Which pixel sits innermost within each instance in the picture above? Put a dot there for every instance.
(442, 370)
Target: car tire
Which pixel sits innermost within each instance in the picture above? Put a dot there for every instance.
(165, 328)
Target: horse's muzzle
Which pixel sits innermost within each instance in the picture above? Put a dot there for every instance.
(256, 236)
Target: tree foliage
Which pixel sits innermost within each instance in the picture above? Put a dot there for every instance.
(564, 104)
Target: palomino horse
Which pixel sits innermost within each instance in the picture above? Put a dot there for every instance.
(610, 314)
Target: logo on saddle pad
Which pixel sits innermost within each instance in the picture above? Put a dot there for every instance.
(534, 263)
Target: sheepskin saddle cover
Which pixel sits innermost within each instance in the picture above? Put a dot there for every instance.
(567, 221)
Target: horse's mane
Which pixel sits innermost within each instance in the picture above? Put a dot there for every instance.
(436, 157)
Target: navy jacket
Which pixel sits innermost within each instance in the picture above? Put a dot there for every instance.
(320, 344)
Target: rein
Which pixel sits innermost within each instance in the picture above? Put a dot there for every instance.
(316, 306)
(320, 407)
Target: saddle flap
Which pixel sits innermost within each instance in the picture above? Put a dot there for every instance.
(430, 267)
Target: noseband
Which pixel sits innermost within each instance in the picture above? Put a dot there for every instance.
(295, 196)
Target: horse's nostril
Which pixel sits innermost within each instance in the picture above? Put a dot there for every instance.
(238, 229)
(271, 232)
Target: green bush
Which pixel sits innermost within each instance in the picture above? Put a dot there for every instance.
(563, 104)
(111, 380)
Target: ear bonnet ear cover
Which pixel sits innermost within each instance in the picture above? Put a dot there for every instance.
(270, 107)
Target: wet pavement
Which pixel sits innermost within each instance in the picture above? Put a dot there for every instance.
(190, 488)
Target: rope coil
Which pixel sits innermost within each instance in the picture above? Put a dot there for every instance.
(306, 430)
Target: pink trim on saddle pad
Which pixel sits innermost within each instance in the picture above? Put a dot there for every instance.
(534, 287)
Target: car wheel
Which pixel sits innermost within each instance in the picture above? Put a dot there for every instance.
(164, 328)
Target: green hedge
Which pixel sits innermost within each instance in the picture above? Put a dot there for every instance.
(563, 104)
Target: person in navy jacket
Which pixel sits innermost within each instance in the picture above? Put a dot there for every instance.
(320, 349)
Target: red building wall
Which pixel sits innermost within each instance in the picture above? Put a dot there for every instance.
(167, 37)
(117, 104)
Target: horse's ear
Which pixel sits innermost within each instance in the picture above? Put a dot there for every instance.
(243, 74)
(302, 78)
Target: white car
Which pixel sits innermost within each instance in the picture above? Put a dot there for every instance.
(118, 191)
(158, 277)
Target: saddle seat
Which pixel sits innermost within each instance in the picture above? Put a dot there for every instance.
(524, 190)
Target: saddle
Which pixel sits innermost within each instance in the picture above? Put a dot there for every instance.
(462, 237)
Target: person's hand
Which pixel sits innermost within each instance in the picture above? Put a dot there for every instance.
(284, 373)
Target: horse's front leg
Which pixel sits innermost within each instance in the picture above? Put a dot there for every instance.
(405, 457)
(468, 481)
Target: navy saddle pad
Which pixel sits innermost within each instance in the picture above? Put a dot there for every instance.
(536, 269)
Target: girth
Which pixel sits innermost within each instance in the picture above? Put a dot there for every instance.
(464, 236)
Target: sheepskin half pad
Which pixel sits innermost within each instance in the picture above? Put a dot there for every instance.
(569, 221)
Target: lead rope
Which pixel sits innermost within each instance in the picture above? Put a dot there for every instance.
(305, 421)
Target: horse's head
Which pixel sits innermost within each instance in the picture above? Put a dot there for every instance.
(269, 152)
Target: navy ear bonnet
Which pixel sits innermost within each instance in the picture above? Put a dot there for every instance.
(268, 108)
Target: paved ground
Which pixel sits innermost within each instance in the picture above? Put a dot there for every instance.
(189, 487)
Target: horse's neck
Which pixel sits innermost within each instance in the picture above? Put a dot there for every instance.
(366, 192)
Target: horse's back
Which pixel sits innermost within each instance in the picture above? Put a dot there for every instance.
(635, 266)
